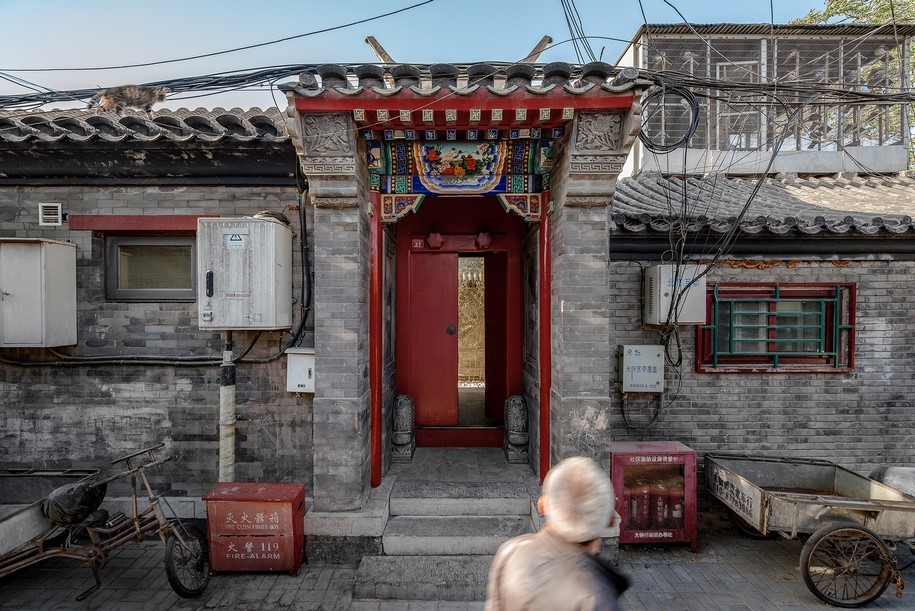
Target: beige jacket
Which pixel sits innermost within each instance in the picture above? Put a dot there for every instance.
(541, 571)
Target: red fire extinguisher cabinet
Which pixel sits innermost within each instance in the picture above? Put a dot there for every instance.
(655, 486)
(256, 527)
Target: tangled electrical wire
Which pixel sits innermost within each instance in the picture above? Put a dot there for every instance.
(654, 101)
(215, 83)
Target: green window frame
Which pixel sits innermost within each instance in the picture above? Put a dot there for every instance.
(777, 327)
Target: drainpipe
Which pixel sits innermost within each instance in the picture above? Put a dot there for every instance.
(376, 263)
(227, 413)
(545, 318)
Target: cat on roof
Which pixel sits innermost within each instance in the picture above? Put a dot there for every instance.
(132, 96)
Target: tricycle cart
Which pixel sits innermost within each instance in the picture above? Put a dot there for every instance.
(36, 529)
(854, 522)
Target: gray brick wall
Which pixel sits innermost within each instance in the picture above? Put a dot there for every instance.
(581, 308)
(341, 431)
(858, 419)
(82, 415)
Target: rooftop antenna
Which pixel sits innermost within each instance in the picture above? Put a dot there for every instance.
(382, 56)
(534, 55)
(380, 53)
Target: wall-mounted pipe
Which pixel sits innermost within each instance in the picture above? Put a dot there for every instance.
(227, 414)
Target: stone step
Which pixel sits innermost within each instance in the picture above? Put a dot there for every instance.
(451, 578)
(441, 536)
(413, 498)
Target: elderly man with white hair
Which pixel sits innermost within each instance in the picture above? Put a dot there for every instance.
(557, 568)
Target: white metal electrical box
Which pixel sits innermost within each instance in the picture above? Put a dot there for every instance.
(665, 283)
(300, 369)
(37, 293)
(641, 368)
(244, 273)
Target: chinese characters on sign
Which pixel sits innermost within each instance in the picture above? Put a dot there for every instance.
(641, 369)
(654, 534)
(253, 550)
(261, 522)
(650, 458)
(721, 485)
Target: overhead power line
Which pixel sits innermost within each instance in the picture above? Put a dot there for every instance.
(214, 53)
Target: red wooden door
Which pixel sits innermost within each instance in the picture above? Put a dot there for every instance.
(433, 338)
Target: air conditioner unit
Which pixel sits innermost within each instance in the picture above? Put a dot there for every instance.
(665, 283)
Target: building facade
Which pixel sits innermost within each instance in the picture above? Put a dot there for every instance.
(392, 179)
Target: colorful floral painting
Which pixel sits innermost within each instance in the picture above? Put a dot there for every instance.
(460, 167)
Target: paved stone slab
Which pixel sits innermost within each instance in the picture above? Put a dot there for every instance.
(418, 498)
(762, 575)
(453, 578)
(430, 536)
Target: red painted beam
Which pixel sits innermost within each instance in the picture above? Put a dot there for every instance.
(134, 222)
(545, 318)
(335, 102)
(458, 438)
(376, 263)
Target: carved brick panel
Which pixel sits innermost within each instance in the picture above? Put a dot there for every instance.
(327, 135)
(599, 131)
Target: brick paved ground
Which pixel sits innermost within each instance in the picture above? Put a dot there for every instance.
(728, 572)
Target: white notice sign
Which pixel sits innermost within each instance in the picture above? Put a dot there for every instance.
(235, 240)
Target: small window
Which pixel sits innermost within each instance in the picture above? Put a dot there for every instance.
(150, 268)
(777, 327)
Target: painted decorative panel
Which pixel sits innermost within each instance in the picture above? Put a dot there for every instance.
(468, 166)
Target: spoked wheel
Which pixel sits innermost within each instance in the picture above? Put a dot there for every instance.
(186, 564)
(846, 565)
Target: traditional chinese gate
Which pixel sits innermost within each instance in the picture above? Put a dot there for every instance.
(425, 135)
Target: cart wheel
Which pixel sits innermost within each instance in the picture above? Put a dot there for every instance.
(746, 529)
(845, 564)
(186, 565)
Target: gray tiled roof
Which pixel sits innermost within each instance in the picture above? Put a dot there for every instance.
(865, 205)
(462, 80)
(778, 29)
(183, 125)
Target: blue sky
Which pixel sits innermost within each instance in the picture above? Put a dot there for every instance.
(88, 33)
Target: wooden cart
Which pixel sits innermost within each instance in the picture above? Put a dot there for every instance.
(854, 522)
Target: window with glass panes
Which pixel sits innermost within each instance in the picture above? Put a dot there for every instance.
(778, 327)
(150, 268)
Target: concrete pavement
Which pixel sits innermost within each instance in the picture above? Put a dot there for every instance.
(728, 572)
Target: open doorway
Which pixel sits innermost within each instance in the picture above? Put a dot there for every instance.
(472, 326)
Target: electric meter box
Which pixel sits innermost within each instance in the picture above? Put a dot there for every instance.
(37, 293)
(244, 274)
(300, 369)
(662, 284)
(641, 368)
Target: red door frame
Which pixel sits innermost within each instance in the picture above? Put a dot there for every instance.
(514, 332)
(545, 317)
(505, 237)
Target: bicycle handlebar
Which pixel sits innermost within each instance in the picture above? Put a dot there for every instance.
(149, 465)
(137, 453)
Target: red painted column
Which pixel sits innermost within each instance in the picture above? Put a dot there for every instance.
(376, 263)
(545, 318)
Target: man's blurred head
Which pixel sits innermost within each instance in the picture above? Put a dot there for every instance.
(578, 500)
